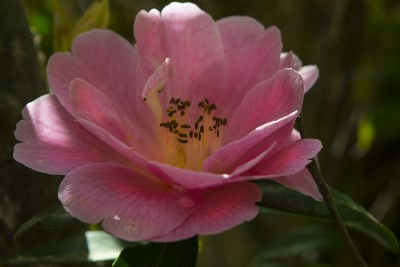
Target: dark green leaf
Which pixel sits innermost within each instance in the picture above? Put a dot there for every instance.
(279, 198)
(90, 246)
(177, 254)
(297, 242)
(51, 218)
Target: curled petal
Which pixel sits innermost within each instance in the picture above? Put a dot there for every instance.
(267, 101)
(290, 159)
(236, 153)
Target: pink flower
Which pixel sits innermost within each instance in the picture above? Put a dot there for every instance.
(220, 104)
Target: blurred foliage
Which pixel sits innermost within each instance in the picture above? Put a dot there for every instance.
(354, 108)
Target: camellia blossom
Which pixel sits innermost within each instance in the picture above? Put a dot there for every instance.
(160, 141)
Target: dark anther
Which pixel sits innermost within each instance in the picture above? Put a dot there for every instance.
(196, 134)
(182, 135)
(185, 126)
(183, 141)
(202, 129)
(196, 125)
(191, 134)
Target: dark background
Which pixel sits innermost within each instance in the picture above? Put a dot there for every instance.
(354, 109)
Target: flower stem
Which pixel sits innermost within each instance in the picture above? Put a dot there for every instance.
(326, 194)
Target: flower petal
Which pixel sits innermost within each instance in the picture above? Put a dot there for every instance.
(302, 182)
(310, 75)
(186, 178)
(236, 153)
(290, 60)
(91, 105)
(251, 55)
(190, 38)
(53, 142)
(108, 62)
(220, 210)
(290, 159)
(268, 101)
(129, 205)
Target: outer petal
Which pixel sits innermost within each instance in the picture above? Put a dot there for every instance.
(221, 209)
(149, 35)
(267, 101)
(290, 159)
(290, 60)
(251, 55)
(53, 142)
(275, 133)
(108, 62)
(302, 182)
(190, 38)
(129, 205)
(310, 75)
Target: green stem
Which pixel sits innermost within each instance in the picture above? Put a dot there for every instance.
(326, 194)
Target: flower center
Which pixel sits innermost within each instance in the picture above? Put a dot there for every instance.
(186, 141)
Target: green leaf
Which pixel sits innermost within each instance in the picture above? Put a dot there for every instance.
(51, 218)
(285, 201)
(297, 242)
(62, 28)
(177, 254)
(91, 246)
(96, 16)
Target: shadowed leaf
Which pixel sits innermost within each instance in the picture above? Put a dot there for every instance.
(51, 218)
(177, 254)
(278, 199)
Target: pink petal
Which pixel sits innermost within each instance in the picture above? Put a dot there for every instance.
(190, 38)
(159, 78)
(186, 178)
(91, 105)
(267, 101)
(220, 210)
(108, 62)
(290, 159)
(238, 152)
(310, 75)
(302, 182)
(251, 55)
(53, 142)
(129, 205)
(290, 60)
(149, 37)
(251, 163)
